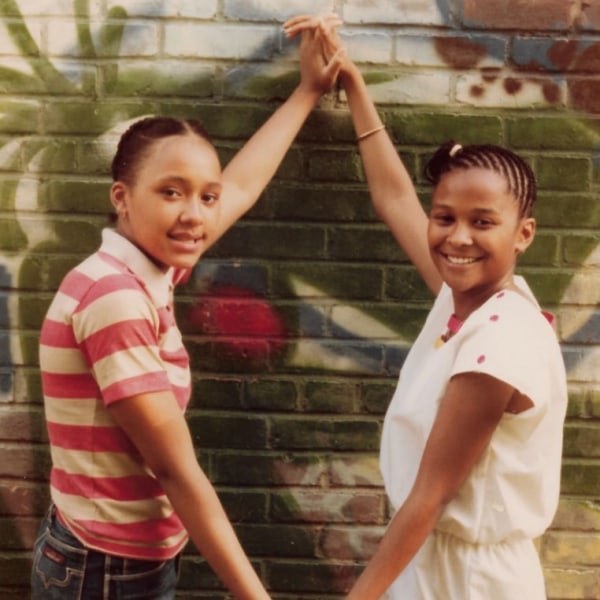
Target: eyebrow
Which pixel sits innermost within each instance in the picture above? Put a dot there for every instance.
(185, 181)
(480, 211)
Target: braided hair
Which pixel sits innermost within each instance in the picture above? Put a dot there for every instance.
(136, 142)
(516, 172)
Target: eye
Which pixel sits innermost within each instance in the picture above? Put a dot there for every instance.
(209, 197)
(171, 192)
(483, 223)
(442, 218)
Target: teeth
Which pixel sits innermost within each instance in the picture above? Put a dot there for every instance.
(461, 260)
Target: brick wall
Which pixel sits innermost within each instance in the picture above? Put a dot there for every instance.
(298, 321)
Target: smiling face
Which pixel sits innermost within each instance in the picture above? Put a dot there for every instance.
(475, 234)
(170, 210)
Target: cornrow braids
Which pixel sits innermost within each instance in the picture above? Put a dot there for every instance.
(516, 172)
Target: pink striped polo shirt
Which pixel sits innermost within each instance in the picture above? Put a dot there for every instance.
(109, 334)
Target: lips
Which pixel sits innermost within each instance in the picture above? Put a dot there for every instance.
(186, 238)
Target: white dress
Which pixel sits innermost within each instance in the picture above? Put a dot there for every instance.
(482, 547)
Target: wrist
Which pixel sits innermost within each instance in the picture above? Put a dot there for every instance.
(350, 74)
(308, 93)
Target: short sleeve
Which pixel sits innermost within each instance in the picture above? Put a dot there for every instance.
(506, 340)
(117, 327)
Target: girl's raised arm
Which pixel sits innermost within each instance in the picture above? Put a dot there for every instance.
(247, 174)
(392, 191)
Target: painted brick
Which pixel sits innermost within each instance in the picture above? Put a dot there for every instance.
(545, 251)
(174, 8)
(404, 283)
(577, 514)
(54, 8)
(282, 241)
(350, 543)
(572, 584)
(271, 395)
(422, 89)
(377, 322)
(120, 40)
(580, 478)
(362, 244)
(302, 280)
(245, 506)
(536, 15)
(355, 471)
(548, 133)
(369, 47)
(320, 507)
(417, 128)
(310, 203)
(217, 394)
(334, 165)
(269, 470)
(465, 52)
(570, 210)
(581, 440)
(233, 432)
(223, 41)
(24, 117)
(268, 10)
(164, 78)
(375, 397)
(415, 12)
(256, 81)
(512, 91)
(18, 40)
(564, 174)
(588, 16)
(330, 397)
(307, 434)
(304, 579)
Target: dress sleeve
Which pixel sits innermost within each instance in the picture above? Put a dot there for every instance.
(506, 340)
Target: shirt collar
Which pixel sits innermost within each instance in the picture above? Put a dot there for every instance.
(157, 282)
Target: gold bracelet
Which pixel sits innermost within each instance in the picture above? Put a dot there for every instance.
(366, 134)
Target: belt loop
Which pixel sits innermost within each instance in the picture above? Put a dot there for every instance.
(106, 579)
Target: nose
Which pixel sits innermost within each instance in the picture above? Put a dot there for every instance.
(460, 235)
(193, 211)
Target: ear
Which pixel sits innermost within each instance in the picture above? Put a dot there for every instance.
(118, 197)
(526, 234)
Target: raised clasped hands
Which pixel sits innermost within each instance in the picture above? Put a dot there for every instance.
(322, 55)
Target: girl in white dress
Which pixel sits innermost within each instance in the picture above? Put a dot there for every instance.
(472, 440)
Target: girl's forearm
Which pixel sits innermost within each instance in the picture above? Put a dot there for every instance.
(199, 508)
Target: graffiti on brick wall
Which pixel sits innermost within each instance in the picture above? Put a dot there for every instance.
(230, 305)
(552, 59)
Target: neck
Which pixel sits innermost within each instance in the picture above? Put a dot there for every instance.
(467, 302)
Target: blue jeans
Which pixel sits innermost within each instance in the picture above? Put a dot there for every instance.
(64, 569)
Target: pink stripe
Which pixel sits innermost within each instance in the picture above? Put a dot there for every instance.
(178, 357)
(148, 531)
(75, 284)
(69, 386)
(109, 259)
(58, 335)
(89, 438)
(108, 285)
(142, 384)
(118, 337)
(125, 489)
(96, 535)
